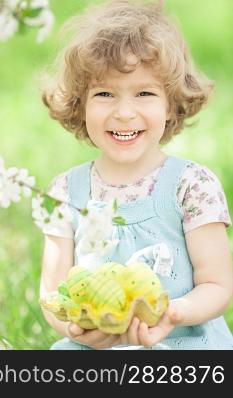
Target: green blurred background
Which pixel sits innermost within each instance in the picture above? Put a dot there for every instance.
(30, 139)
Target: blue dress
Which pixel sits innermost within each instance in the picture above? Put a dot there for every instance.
(152, 220)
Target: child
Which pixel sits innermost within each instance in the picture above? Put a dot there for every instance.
(126, 86)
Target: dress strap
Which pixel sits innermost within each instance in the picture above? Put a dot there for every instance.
(165, 193)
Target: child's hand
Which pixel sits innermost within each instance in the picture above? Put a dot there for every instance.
(139, 333)
(93, 338)
(73, 330)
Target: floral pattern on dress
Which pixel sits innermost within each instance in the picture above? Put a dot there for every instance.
(131, 198)
(152, 186)
(202, 175)
(102, 194)
(199, 195)
(202, 199)
(191, 212)
(140, 183)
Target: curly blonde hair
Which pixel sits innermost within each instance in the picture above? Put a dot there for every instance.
(103, 35)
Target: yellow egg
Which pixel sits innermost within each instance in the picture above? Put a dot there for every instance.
(105, 292)
(139, 280)
(109, 297)
(111, 270)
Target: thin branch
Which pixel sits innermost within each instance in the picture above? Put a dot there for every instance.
(43, 193)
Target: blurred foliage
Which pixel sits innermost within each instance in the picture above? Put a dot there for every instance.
(30, 139)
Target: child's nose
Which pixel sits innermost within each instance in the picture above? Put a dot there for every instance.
(125, 110)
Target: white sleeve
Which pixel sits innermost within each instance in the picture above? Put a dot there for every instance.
(59, 190)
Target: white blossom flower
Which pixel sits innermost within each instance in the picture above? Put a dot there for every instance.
(98, 245)
(95, 227)
(11, 3)
(43, 218)
(11, 172)
(39, 4)
(44, 20)
(8, 25)
(60, 215)
(96, 235)
(9, 21)
(98, 223)
(47, 27)
(12, 182)
(22, 177)
(23, 4)
(9, 191)
(39, 213)
(37, 202)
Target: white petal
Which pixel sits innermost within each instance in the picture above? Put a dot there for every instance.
(8, 26)
(12, 172)
(45, 18)
(39, 3)
(22, 175)
(37, 215)
(37, 201)
(12, 3)
(65, 211)
(13, 191)
(15, 196)
(111, 244)
(27, 192)
(40, 214)
(39, 224)
(31, 181)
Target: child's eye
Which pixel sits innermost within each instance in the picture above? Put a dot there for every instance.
(103, 94)
(145, 93)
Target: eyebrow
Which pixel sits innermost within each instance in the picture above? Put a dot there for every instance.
(139, 86)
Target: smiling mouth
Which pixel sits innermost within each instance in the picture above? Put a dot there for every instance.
(125, 136)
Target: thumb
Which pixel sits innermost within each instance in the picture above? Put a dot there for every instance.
(74, 330)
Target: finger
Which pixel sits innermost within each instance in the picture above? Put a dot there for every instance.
(108, 342)
(151, 336)
(98, 340)
(132, 332)
(145, 338)
(123, 338)
(92, 337)
(74, 330)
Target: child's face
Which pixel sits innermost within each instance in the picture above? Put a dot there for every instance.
(127, 102)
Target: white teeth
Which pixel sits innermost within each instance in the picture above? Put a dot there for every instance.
(125, 137)
(127, 134)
